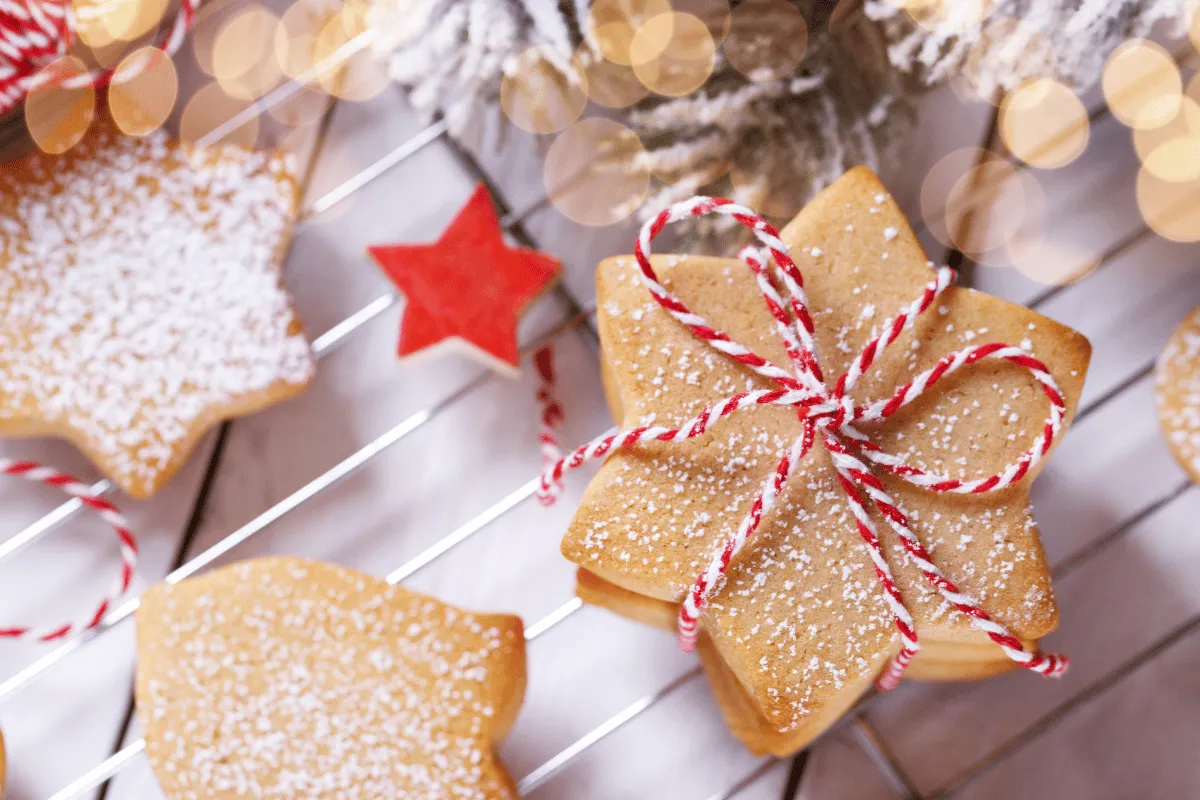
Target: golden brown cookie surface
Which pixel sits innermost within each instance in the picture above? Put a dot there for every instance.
(1177, 392)
(280, 677)
(140, 298)
(801, 616)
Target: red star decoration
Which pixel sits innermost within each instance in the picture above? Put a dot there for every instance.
(468, 286)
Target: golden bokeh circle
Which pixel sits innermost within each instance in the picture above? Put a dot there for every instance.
(767, 39)
(143, 91)
(594, 173)
(991, 205)
(1194, 24)
(1168, 151)
(210, 108)
(998, 35)
(243, 58)
(716, 15)
(90, 25)
(296, 37)
(58, 117)
(1170, 208)
(610, 84)
(1142, 84)
(1185, 123)
(1050, 262)
(360, 77)
(939, 179)
(612, 25)
(1044, 123)
(130, 19)
(540, 98)
(1176, 160)
(930, 14)
(673, 54)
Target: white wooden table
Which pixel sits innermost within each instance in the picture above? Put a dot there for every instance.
(1117, 516)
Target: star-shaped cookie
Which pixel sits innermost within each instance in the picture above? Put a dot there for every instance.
(801, 621)
(140, 298)
(280, 677)
(469, 287)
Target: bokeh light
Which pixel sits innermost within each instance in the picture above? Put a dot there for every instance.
(991, 205)
(673, 54)
(1185, 123)
(90, 25)
(610, 84)
(58, 117)
(1044, 123)
(210, 108)
(540, 98)
(715, 14)
(143, 91)
(1051, 262)
(360, 77)
(1170, 151)
(593, 172)
(767, 39)
(130, 19)
(243, 58)
(296, 36)
(935, 188)
(1142, 84)
(612, 25)
(1170, 208)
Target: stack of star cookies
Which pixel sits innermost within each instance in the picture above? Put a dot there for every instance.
(799, 629)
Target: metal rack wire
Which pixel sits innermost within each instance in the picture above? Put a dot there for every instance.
(342, 332)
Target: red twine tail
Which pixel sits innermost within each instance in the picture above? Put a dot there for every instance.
(552, 416)
(106, 511)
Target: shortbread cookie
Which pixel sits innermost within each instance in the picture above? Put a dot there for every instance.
(140, 298)
(937, 660)
(280, 677)
(1177, 390)
(801, 620)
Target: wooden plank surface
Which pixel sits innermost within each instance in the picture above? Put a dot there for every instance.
(1127, 591)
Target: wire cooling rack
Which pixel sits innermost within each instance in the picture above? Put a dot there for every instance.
(578, 318)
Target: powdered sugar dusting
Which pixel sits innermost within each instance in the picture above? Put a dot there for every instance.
(140, 286)
(285, 678)
(1178, 392)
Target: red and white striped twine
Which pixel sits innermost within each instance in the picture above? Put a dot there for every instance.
(830, 414)
(552, 411)
(35, 32)
(107, 512)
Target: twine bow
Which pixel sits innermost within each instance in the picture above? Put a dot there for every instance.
(33, 33)
(831, 414)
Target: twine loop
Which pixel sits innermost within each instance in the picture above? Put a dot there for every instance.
(106, 511)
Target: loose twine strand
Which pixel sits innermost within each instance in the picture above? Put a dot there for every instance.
(107, 512)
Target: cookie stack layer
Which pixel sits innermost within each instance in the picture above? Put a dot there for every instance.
(800, 629)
